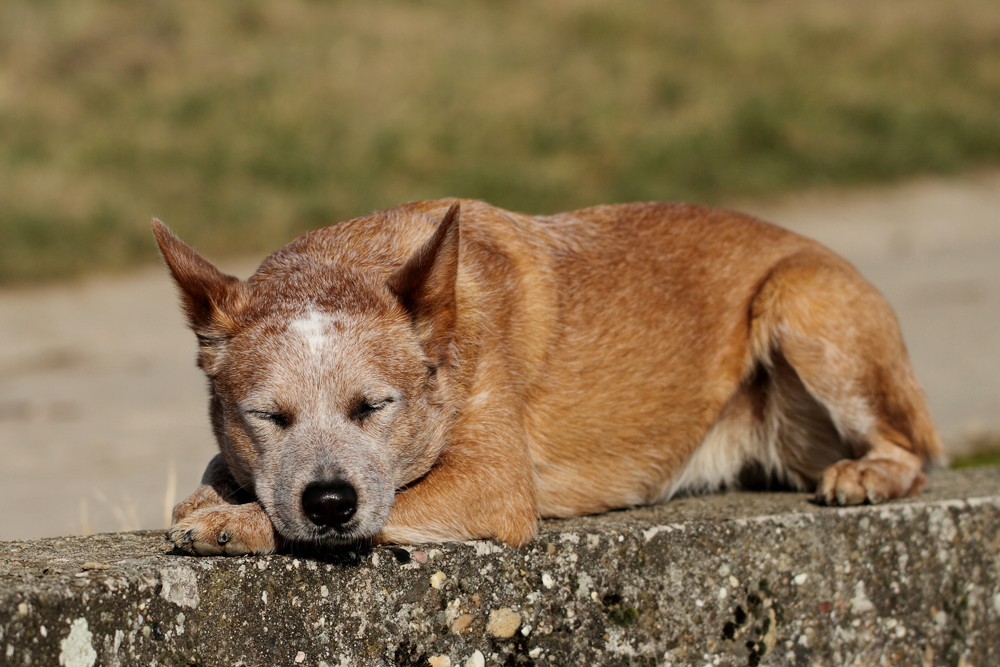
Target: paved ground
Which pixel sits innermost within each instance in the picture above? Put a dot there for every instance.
(100, 398)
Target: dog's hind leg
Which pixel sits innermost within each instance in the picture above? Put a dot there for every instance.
(220, 518)
(833, 349)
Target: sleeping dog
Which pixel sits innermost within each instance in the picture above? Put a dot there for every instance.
(449, 370)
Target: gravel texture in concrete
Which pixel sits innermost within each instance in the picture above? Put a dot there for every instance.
(733, 579)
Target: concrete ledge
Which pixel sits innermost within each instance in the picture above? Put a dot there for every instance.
(736, 579)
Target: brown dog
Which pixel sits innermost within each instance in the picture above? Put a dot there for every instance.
(422, 374)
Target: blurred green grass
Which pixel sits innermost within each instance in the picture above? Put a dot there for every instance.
(978, 448)
(977, 459)
(244, 123)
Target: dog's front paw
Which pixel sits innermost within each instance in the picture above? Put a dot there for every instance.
(224, 530)
(852, 482)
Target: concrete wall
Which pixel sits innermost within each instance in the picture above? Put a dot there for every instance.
(737, 579)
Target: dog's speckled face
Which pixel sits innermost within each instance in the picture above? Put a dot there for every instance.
(327, 376)
(320, 398)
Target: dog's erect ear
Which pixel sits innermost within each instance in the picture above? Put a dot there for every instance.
(211, 298)
(425, 285)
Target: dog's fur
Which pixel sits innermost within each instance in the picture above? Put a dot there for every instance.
(468, 371)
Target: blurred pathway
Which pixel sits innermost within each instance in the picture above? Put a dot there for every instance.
(100, 398)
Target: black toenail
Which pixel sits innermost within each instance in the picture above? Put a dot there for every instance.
(189, 535)
(223, 537)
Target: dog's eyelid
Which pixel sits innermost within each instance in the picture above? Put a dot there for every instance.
(377, 403)
(367, 406)
(279, 419)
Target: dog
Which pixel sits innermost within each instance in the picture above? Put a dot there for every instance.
(448, 370)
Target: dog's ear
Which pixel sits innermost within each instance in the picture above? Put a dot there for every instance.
(211, 298)
(425, 285)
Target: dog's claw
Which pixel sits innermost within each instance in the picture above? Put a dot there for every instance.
(224, 530)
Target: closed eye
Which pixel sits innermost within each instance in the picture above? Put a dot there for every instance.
(367, 407)
(279, 419)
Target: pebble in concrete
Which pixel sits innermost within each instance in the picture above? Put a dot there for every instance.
(503, 623)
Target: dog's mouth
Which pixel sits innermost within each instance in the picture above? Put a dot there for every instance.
(339, 534)
(360, 528)
(303, 532)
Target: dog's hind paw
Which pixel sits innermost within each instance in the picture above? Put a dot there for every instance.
(224, 530)
(853, 482)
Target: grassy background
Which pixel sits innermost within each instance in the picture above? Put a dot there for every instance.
(243, 123)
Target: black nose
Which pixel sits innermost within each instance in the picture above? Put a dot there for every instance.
(330, 503)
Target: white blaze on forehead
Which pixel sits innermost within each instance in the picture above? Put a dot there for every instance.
(313, 328)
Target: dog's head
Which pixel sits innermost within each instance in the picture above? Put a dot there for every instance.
(327, 383)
